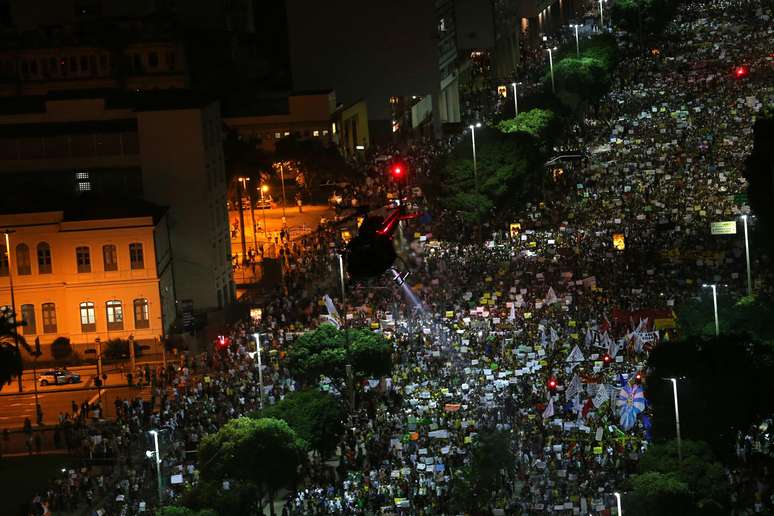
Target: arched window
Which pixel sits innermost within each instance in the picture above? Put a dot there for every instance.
(136, 258)
(141, 314)
(109, 257)
(23, 266)
(28, 318)
(115, 315)
(44, 258)
(88, 317)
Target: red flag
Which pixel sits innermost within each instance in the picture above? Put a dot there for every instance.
(587, 408)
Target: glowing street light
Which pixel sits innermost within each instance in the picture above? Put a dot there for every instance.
(747, 255)
(260, 368)
(157, 457)
(714, 288)
(264, 191)
(551, 67)
(618, 502)
(475, 163)
(677, 420)
(601, 14)
(577, 43)
(515, 99)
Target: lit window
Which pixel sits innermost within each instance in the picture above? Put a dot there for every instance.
(109, 258)
(325, 132)
(136, 257)
(286, 133)
(115, 315)
(49, 317)
(83, 259)
(28, 319)
(83, 182)
(277, 135)
(333, 128)
(141, 314)
(316, 133)
(88, 319)
(84, 187)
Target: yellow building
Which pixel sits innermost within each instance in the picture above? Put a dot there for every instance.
(83, 273)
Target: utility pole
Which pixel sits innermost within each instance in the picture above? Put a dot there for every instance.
(241, 216)
(13, 300)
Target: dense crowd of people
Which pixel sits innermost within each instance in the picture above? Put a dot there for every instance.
(542, 332)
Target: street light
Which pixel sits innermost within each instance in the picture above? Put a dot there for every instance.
(157, 456)
(264, 189)
(677, 420)
(13, 300)
(618, 502)
(551, 66)
(515, 99)
(475, 163)
(747, 254)
(715, 304)
(601, 15)
(260, 369)
(242, 182)
(577, 44)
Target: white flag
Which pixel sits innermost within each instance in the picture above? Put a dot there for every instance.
(575, 355)
(554, 336)
(330, 306)
(549, 411)
(612, 347)
(512, 315)
(551, 297)
(601, 396)
(574, 387)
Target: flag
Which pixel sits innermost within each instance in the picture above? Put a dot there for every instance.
(551, 297)
(601, 396)
(554, 336)
(612, 347)
(330, 306)
(549, 411)
(512, 315)
(574, 387)
(630, 402)
(587, 408)
(575, 355)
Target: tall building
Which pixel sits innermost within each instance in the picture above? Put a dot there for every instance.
(163, 147)
(84, 271)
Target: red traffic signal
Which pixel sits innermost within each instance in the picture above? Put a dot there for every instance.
(222, 342)
(606, 359)
(638, 377)
(740, 72)
(398, 171)
(552, 383)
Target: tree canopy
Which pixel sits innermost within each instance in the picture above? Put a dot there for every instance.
(315, 160)
(696, 317)
(643, 16)
(539, 123)
(586, 77)
(723, 386)
(477, 484)
(263, 452)
(509, 170)
(327, 351)
(10, 357)
(315, 416)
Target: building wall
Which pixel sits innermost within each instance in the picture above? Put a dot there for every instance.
(67, 288)
(182, 156)
(308, 116)
(352, 128)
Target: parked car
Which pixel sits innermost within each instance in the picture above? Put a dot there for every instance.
(57, 377)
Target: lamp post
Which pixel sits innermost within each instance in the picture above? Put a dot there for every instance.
(747, 255)
(475, 163)
(577, 43)
(260, 368)
(601, 15)
(284, 202)
(677, 421)
(715, 305)
(264, 189)
(13, 299)
(515, 99)
(341, 279)
(241, 182)
(551, 67)
(157, 456)
(618, 502)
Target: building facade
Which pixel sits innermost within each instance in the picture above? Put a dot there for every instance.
(81, 279)
(163, 148)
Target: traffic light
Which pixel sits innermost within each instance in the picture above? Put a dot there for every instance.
(638, 377)
(552, 384)
(606, 359)
(742, 71)
(398, 171)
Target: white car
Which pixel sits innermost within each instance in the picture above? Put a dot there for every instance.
(57, 377)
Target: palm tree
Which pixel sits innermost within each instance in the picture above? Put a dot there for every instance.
(10, 358)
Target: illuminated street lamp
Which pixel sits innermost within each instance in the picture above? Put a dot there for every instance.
(618, 502)
(241, 185)
(677, 420)
(551, 67)
(155, 454)
(515, 99)
(475, 163)
(577, 43)
(747, 255)
(260, 368)
(264, 190)
(714, 288)
(601, 14)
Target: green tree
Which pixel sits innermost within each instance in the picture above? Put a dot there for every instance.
(643, 17)
(174, 510)
(509, 172)
(539, 123)
(317, 418)
(315, 160)
(585, 78)
(327, 351)
(657, 494)
(724, 386)
(479, 483)
(239, 498)
(752, 314)
(265, 452)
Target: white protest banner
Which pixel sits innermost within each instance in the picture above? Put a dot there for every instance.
(601, 396)
(727, 227)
